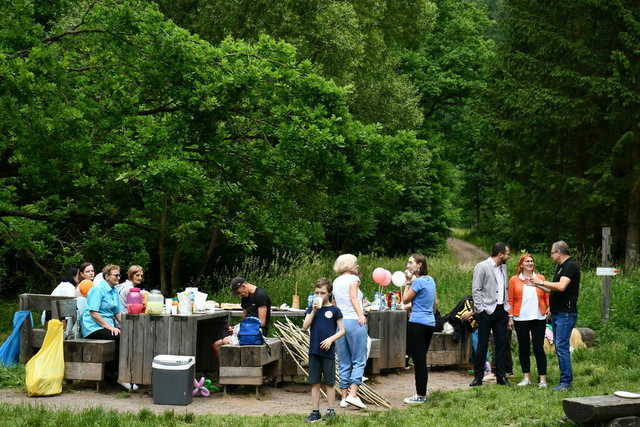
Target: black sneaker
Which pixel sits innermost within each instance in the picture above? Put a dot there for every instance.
(330, 414)
(313, 417)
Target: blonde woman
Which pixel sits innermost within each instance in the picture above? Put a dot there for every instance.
(135, 277)
(351, 348)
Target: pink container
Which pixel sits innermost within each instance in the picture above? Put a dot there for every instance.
(135, 301)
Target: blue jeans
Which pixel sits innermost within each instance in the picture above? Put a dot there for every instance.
(351, 350)
(563, 324)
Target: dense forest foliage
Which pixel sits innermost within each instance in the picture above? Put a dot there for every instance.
(182, 135)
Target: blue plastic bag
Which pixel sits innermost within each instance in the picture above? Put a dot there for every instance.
(10, 349)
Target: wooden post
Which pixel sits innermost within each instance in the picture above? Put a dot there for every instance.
(606, 280)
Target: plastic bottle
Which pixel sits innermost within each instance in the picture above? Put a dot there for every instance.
(394, 301)
(310, 300)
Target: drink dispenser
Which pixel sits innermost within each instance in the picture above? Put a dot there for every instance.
(135, 304)
(155, 302)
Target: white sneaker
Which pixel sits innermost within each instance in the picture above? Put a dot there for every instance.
(343, 403)
(542, 385)
(355, 401)
(524, 382)
(134, 387)
(414, 400)
(127, 386)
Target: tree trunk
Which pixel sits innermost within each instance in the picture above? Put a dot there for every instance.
(633, 215)
(213, 245)
(175, 271)
(162, 249)
(633, 227)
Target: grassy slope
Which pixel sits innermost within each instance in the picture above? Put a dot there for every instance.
(613, 365)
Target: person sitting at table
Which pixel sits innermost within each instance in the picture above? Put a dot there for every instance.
(87, 272)
(135, 277)
(255, 302)
(101, 316)
(66, 288)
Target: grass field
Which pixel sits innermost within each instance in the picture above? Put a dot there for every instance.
(614, 364)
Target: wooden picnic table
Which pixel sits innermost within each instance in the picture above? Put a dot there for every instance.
(145, 336)
(390, 327)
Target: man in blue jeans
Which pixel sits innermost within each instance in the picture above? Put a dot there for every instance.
(564, 307)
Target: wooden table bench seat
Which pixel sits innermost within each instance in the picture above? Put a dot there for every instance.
(444, 351)
(250, 364)
(84, 359)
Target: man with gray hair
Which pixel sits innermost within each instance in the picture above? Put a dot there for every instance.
(563, 306)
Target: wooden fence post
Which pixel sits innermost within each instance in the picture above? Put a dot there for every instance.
(606, 280)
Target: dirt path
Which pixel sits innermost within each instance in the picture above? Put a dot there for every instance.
(287, 399)
(466, 253)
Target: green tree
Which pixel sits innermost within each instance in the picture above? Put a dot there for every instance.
(130, 140)
(563, 93)
(355, 42)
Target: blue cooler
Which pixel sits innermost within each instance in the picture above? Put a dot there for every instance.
(172, 379)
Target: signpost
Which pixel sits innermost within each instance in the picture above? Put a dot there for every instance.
(606, 272)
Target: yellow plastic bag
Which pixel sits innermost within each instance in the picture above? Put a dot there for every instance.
(45, 370)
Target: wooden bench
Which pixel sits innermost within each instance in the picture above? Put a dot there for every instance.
(250, 364)
(84, 359)
(444, 351)
(375, 352)
(601, 409)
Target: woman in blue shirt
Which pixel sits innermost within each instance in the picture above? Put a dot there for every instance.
(421, 293)
(101, 316)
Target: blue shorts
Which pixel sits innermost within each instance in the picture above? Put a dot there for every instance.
(322, 370)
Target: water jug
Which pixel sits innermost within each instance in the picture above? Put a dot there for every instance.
(155, 302)
(135, 304)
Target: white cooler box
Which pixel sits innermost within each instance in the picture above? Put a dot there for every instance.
(172, 379)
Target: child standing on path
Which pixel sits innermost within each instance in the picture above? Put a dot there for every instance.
(325, 321)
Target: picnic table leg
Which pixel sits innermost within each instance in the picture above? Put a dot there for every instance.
(224, 391)
(257, 391)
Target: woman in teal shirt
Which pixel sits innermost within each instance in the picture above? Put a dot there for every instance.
(421, 293)
(101, 317)
(103, 307)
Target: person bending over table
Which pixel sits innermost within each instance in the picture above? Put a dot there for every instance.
(255, 302)
(102, 315)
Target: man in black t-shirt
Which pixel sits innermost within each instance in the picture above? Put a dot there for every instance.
(563, 306)
(255, 301)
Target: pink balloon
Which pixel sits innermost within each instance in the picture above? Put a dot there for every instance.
(387, 278)
(379, 275)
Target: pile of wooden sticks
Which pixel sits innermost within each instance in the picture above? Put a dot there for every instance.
(296, 342)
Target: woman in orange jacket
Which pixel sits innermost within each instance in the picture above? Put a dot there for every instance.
(529, 309)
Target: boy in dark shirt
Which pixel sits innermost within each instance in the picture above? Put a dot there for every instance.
(325, 321)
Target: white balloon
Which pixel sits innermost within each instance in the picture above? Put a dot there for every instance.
(398, 278)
